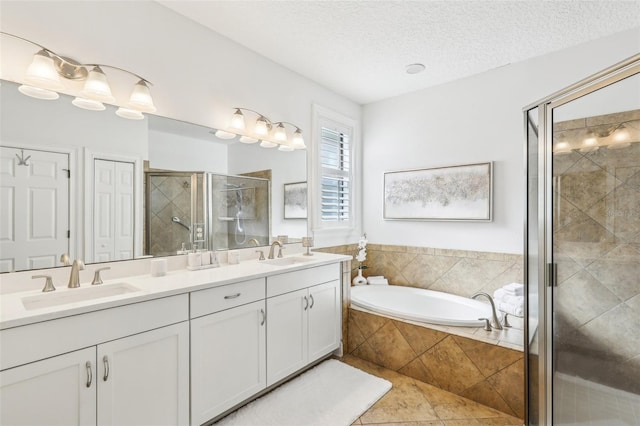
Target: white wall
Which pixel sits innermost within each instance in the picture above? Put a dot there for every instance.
(471, 120)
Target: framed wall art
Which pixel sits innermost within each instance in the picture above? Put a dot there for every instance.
(455, 193)
(295, 200)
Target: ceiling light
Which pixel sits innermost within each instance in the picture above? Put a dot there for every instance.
(141, 97)
(415, 68)
(96, 87)
(88, 104)
(130, 114)
(41, 72)
(38, 93)
(248, 139)
(42, 80)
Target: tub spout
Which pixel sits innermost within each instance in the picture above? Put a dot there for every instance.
(496, 322)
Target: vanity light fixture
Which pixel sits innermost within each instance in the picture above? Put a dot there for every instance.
(621, 137)
(270, 134)
(561, 147)
(590, 142)
(42, 80)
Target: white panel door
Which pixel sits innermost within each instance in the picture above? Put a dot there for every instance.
(56, 391)
(286, 334)
(324, 319)
(34, 209)
(228, 359)
(144, 379)
(113, 211)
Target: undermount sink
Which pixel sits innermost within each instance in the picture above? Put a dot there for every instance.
(284, 261)
(55, 298)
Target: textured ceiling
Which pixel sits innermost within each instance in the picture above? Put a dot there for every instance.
(360, 48)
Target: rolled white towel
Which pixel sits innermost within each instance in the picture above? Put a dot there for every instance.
(514, 289)
(377, 281)
(516, 310)
(500, 295)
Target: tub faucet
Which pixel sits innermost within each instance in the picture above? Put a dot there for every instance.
(273, 244)
(496, 322)
(74, 278)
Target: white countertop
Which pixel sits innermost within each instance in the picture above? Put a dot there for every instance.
(14, 314)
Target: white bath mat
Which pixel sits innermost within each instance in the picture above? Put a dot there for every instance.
(332, 393)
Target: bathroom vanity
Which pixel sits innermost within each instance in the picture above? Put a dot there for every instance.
(179, 349)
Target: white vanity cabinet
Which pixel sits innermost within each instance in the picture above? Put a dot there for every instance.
(303, 309)
(138, 379)
(228, 347)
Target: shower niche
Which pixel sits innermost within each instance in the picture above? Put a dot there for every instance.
(197, 210)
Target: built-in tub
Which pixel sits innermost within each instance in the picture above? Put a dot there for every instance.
(417, 304)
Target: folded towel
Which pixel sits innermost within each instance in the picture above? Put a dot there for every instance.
(516, 310)
(514, 289)
(377, 281)
(500, 295)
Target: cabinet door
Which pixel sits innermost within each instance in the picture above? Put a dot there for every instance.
(144, 379)
(56, 391)
(286, 334)
(324, 319)
(228, 359)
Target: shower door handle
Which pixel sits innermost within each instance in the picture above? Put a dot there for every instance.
(552, 274)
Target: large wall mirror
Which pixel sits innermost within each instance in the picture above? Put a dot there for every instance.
(103, 188)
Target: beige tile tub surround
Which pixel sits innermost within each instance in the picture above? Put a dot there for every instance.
(458, 272)
(483, 372)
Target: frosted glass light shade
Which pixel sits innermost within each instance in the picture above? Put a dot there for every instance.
(267, 144)
(297, 141)
(129, 114)
(41, 72)
(96, 87)
(248, 139)
(286, 148)
(141, 98)
(237, 120)
(88, 104)
(280, 134)
(262, 127)
(38, 93)
(224, 135)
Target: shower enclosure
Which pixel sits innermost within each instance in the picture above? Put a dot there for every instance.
(582, 252)
(196, 210)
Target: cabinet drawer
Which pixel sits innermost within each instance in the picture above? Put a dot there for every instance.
(292, 281)
(217, 299)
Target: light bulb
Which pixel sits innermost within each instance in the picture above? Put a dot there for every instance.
(141, 98)
(280, 134)
(267, 144)
(96, 87)
(262, 127)
(224, 135)
(237, 120)
(38, 93)
(297, 141)
(88, 104)
(248, 139)
(589, 143)
(621, 138)
(130, 114)
(41, 72)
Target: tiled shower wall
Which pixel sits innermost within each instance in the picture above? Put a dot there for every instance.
(458, 272)
(597, 249)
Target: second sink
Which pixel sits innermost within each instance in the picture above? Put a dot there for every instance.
(284, 261)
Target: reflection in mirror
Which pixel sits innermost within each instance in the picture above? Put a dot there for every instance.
(80, 182)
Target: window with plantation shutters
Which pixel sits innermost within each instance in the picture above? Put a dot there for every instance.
(335, 163)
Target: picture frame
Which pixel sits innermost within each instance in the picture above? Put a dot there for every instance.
(452, 193)
(295, 200)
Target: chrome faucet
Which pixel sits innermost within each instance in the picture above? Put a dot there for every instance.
(496, 322)
(273, 244)
(74, 278)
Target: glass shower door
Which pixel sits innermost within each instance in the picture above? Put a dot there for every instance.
(595, 234)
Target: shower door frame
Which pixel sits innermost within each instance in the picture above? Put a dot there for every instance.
(546, 267)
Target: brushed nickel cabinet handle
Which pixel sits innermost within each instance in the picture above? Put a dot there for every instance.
(264, 316)
(105, 360)
(89, 373)
(232, 296)
(306, 303)
(311, 297)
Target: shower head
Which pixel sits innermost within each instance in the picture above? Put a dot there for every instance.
(176, 219)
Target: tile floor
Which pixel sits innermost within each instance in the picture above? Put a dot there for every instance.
(414, 403)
